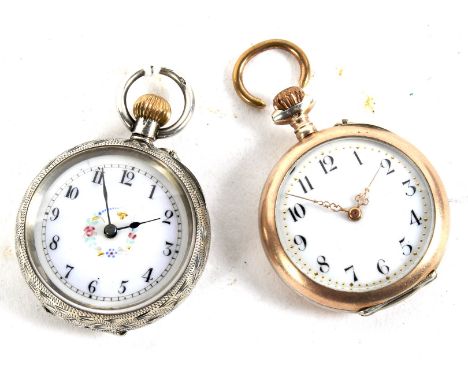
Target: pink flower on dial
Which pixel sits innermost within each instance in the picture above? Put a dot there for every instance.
(89, 230)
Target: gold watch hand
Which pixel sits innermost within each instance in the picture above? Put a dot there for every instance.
(361, 198)
(328, 205)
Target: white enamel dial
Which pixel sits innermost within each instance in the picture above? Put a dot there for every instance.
(151, 221)
(381, 247)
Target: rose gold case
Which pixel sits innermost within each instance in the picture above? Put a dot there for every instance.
(345, 300)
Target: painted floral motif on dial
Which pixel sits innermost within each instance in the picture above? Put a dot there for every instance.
(91, 237)
(111, 232)
(355, 214)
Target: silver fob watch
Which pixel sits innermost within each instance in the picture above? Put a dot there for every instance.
(113, 234)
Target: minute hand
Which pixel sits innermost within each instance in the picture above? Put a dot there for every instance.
(137, 224)
(362, 198)
(104, 191)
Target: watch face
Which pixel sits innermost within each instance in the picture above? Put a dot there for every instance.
(358, 249)
(112, 229)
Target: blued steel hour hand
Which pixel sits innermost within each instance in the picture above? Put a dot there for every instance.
(137, 224)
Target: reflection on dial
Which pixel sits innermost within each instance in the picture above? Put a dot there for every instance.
(149, 247)
(381, 241)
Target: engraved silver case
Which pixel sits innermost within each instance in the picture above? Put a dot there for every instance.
(142, 313)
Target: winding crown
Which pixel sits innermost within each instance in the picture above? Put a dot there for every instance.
(288, 98)
(151, 106)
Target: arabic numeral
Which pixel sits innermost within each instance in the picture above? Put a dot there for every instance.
(98, 176)
(415, 219)
(406, 248)
(327, 164)
(411, 189)
(382, 267)
(72, 192)
(92, 286)
(54, 243)
(168, 251)
(123, 287)
(357, 157)
(351, 268)
(153, 189)
(168, 214)
(147, 275)
(297, 212)
(70, 268)
(301, 242)
(54, 214)
(127, 177)
(324, 267)
(306, 185)
(387, 165)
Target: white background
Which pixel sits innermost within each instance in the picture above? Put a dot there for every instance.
(61, 68)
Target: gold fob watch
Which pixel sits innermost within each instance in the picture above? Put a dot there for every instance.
(352, 217)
